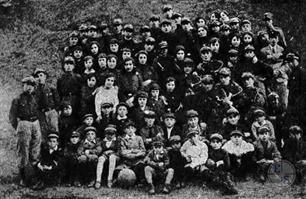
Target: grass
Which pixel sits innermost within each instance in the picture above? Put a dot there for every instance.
(36, 36)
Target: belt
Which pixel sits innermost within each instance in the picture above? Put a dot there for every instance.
(30, 119)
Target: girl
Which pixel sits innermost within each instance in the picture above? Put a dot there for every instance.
(146, 71)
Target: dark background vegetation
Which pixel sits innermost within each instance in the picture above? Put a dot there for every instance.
(33, 33)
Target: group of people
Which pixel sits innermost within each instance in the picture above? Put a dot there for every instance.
(181, 101)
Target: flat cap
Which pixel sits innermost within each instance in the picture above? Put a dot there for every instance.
(263, 129)
(192, 113)
(247, 75)
(192, 133)
(39, 70)
(232, 111)
(89, 129)
(205, 49)
(236, 132)
(268, 16)
(175, 139)
(295, 129)
(165, 22)
(225, 71)
(216, 136)
(169, 115)
(87, 115)
(52, 135)
(110, 129)
(154, 86)
(75, 134)
(163, 44)
(149, 114)
(129, 123)
(30, 80)
(142, 94)
(234, 20)
(259, 113)
(107, 105)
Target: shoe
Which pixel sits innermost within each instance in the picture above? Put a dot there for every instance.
(38, 186)
(166, 189)
(22, 183)
(91, 184)
(77, 183)
(178, 185)
(97, 185)
(262, 178)
(109, 184)
(152, 189)
(183, 184)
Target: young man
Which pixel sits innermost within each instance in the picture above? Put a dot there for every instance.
(24, 118)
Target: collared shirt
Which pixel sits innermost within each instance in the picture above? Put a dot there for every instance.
(238, 149)
(198, 151)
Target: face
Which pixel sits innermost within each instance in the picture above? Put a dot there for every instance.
(215, 144)
(187, 69)
(94, 49)
(68, 67)
(225, 32)
(92, 33)
(235, 26)
(236, 139)
(169, 13)
(148, 47)
(202, 32)
(154, 24)
(194, 138)
(130, 130)
(122, 111)
(91, 135)
(146, 34)
(170, 86)
(52, 143)
(102, 62)
(215, 47)
(247, 39)
(208, 86)
(274, 101)
(128, 34)
(246, 27)
(91, 82)
(225, 80)
(213, 17)
(28, 88)
(112, 63)
(206, 56)
(166, 28)
(109, 82)
(180, 55)
(88, 121)
(176, 146)
(78, 54)
(169, 122)
(233, 119)
(114, 48)
(236, 41)
(129, 66)
(110, 136)
(88, 63)
(142, 101)
(264, 136)
(126, 54)
(158, 149)
(249, 54)
(149, 121)
(193, 122)
(260, 119)
(296, 136)
(187, 27)
(73, 41)
(233, 59)
(224, 17)
(74, 140)
(273, 41)
(155, 93)
(201, 23)
(164, 52)
(249, 83)
(41, 78)
(118, 28)
(67, 110)
(215, 28)
(106, 110)
(142, 59)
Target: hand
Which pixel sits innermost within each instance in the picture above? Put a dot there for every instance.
(47, 167)
(247, 134)
(188, 159)
(261, 161)
(130, 101)
(220, 162)
(255, 60)
(99, 118)
(161, 164)
(87, 152)
(210, 162)
(40, 167)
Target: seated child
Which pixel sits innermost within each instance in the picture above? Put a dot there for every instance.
(261, 121)
(88, 155)
(151, 131)
(157, 162)
(106, 118)
(121, 117)
(195, 153)
(240, 153)
(169, 127)
(295, 151)
(156, 102)
(193, 124)
(49, 167)
(109, 152)
(88, 120)
(266, 152)
(177, 161)
(218, 163)
(71, 158)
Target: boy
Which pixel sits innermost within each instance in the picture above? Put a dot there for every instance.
(87, 95)
(240, 153)
(173, 97)
(151, 131)
(107, 117)
(121, 117)
(88, 155)
(157, 162)
(88, 120)
(49, 167)
(177, 161)
(218, 163)
(193, 124)
(156, 102)
(71, 158)
(266, 152)
(170, 128)
(195, 153)
(261, 121)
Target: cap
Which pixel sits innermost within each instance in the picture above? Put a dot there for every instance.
(65, 104)
(158, 143)
(82, 27)
(117, 21)
(149, 114)
(268, 16)
(53, 135)
(39, 70)
(74, 34)
(154, 86)
(216, 136)
(144, 28)
(126, 49)
(87, 115)
(107, 105)
(142, 94)
(263, 129)
(192, 133)
(92, 27)
(163, 44)
(123, 104)
(169, 115)
(176, 15)
(30, 80)
(233, 52)
(165, 22)
(129, 123)
(225, 71)
(128, 27)
(205, 49)
(188, 62)
(295, 129)
(249, 48)
(90, 128)
(273, 95)
(225, 27)
(234, 20)
(75, 134)
(215, 23)
(208, 79)
(245, 22)
(175, 139)
(185, 20)
(192, 113)
(179, 47)
(259, 113)
(154, 18)
(113, 41)
(166, 8)
(247, 75)
(150, 40)
(110, 129)
(236, 132)
(292, 56)
(232, 111)
(69, 60)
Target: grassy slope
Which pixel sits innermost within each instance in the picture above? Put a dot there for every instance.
(36, 41)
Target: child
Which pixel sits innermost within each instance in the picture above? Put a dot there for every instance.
(107, 117)
(88, 64)
(137, 113)
(156, 102)
(71, 159)
(114, 47)
(132, 150)
(177, 161)
(102, 66)
(266, 152)
(78, 57)
(193, 124)
(146, 71)
(151, 131)
(294, 151)
(112, 61)
(67, 123)
(157, 162)
(121, 117)
(49, 167)
(88, 152)
(195, 153)
(218, 163)
(173, 97)
(109, 152)
(240, 153)
(261, 121)
(87, 95)
(88, 120)
(170, 127)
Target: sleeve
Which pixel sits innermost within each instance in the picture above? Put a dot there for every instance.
(254, 131)
(56, 98)
(98, 104)
(204, 155)
(275, 152)
(166, 160)
(184, 149)
(271, 127)
(149, 160)
(124, 152)
(81, 149)
(141, 147)
(13, 113)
